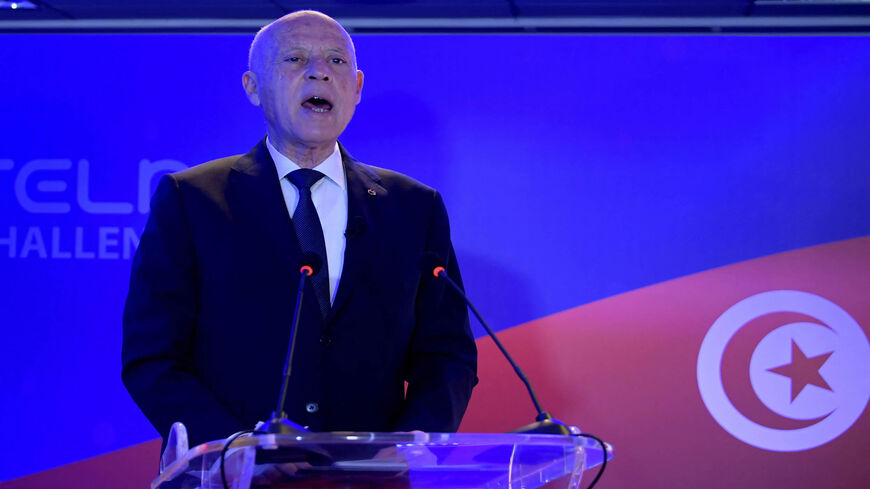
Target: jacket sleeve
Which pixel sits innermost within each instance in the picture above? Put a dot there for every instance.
(159, 325)
(441, 369)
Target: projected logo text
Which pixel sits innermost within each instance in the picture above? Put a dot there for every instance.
(56, 187)
(785, 370)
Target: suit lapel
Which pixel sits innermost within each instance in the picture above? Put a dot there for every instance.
(363, 221)
(255, 199)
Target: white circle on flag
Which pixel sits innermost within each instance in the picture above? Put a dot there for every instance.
(847, 371)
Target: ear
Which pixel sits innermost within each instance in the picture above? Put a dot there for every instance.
(359, 85)
(249, 81)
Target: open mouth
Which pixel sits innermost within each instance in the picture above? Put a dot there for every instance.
(317, 104)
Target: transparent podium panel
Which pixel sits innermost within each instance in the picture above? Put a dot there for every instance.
(384, 460)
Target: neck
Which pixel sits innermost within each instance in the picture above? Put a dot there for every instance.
(304, 155)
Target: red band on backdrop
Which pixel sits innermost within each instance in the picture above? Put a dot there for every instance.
(624, 368)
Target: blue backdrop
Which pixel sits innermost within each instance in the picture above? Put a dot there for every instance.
(574, 168)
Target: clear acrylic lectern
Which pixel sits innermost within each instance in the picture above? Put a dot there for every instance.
(379, 460)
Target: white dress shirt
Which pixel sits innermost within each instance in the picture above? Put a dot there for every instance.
(330, 199)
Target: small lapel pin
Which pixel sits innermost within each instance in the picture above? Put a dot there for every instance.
(372, 192)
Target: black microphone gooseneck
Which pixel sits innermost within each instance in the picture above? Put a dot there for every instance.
(544, 422)
(279, 422)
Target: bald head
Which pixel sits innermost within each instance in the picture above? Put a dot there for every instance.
(303, 76)
(267, 40)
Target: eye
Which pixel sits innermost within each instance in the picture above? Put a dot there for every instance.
(337, 61)
(293, 59)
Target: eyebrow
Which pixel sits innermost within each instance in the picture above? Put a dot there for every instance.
(288, 49)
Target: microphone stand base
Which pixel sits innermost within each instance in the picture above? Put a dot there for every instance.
(280, 425)
(547, 425)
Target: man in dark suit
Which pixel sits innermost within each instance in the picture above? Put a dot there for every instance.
(380, 347)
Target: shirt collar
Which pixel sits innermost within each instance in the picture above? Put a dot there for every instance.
(331, 166)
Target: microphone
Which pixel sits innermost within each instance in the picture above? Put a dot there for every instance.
(356, 227)
(544, 422)
(309, 264)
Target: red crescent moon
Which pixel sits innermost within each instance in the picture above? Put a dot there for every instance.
(735, 370)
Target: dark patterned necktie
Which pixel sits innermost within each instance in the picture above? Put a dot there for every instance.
(310, 233)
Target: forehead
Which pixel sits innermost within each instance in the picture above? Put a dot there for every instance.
(310, 32)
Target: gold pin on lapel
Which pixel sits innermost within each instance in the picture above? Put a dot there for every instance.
(372, 192)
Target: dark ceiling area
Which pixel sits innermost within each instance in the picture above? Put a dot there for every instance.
(445, 16)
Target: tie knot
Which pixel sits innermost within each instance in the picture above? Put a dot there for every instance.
(304, 178)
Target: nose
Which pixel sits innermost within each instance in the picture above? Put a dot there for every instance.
(317, 70)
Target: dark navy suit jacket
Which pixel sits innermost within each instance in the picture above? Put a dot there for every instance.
(213, 286)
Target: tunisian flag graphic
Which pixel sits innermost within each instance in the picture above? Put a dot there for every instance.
(753, 375)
